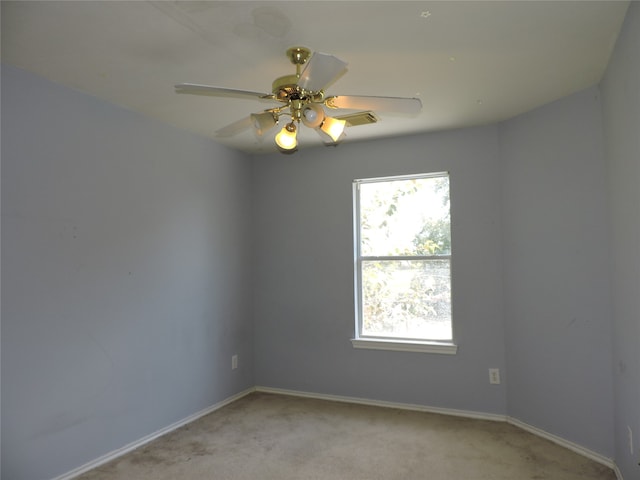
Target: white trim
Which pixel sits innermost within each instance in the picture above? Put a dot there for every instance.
(617, 472)
(426, 258)
(444, 173)
(390, 343)
(574, 447)
(381, 403)
(144, 440)
(405, 346)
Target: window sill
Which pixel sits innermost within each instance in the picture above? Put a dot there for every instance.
(405, 346)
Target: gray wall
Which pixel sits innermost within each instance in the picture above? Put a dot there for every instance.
(621, 114)
(124, 276)
(556, 271)
(303, 254)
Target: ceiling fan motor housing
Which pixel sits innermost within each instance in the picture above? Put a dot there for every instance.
(285, 87)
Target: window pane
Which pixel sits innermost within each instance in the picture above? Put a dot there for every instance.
(405, 217)
(407, 299)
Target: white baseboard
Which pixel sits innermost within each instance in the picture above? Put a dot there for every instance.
(144, 440)
(459, 413)
(574, 447)
(617, 472)
(380, 403)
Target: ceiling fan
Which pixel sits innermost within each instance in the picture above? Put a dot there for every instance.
(301, 96)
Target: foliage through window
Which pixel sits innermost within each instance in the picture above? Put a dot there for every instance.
(403, 258)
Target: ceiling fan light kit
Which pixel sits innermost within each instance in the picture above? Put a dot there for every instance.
(263, 122)
(334, 127)
(302, 97)
(286, 139)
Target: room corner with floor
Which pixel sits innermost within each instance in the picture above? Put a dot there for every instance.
(152, 277)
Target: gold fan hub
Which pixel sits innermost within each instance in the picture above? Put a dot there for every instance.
(284, 87)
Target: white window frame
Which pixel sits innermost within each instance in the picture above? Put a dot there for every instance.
(390, 343)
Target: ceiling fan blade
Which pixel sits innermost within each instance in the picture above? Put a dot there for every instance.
(194, 89)
(388, 104)
(235, 128)
(321, 70)
(358, 118)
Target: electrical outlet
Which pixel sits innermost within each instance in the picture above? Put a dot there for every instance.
(494, 376)
(234, 362)
(630, 437)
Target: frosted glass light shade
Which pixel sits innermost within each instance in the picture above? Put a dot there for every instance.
(263, 122)
(333, 127)
(286, 138)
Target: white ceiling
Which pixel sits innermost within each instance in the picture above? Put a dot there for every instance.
(471, 63)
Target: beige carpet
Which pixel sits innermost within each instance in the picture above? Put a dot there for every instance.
(264, 436)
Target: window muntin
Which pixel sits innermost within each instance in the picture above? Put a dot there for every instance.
(403, 258)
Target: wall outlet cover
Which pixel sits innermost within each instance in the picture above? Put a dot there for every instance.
(234, 362)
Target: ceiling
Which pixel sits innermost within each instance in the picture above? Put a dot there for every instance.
(471, 63)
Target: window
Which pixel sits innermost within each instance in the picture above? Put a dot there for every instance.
(403, 263)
